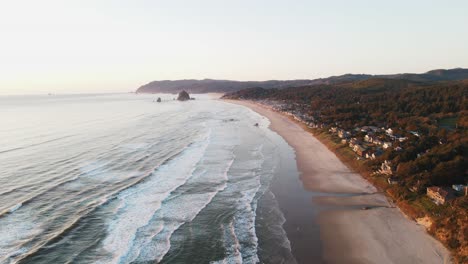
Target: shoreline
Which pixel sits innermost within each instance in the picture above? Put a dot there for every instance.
(348, 234)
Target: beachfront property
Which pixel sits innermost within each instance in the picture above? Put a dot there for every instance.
(370, 146)
(373, 139)
(360, 150)
(369, 138)
(386, 168)
(392, 180)
(353, 142)
(373, 154)
(377, 141)
(370, 129)
(401, 139)
(386, 145)
(343, 133)
(439, 195)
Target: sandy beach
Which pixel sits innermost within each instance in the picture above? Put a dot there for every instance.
(348, 234)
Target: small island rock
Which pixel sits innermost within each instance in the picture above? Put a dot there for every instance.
(159, 100)
(183, 96)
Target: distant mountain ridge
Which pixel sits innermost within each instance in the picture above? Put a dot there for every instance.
(213, 86)
(227, 86)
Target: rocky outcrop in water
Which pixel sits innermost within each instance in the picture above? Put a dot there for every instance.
(183, 96)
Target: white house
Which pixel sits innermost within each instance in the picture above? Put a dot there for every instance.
(386, 145)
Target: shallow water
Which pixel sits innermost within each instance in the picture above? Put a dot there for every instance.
(120, 179)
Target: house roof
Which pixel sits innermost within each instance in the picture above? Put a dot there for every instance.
(441, 191)
(361, 148)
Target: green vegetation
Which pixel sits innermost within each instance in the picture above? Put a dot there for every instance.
(448, 123)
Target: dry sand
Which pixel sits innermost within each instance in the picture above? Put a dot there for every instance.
(381, 234)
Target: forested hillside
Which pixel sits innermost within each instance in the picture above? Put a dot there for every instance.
(227, 86)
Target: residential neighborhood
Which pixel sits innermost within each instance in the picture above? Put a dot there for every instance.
(370, 142)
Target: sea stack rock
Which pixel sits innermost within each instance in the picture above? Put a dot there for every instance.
(159, 100)
(183, 96)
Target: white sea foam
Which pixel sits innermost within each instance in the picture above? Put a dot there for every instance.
(14, 208)
(232, 245)
(139, 203)
(15, 230)
(183, 209)
(152, 243)
(251, 189)
(188, 209)
(212, 173)
(99, 171)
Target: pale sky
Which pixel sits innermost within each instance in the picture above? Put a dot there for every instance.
(69, 46)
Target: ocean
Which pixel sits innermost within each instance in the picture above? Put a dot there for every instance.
(122, 179)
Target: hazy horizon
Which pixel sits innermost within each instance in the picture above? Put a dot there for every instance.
(78, 92)
(104, 46)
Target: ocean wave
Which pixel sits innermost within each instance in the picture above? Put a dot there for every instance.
(131, 215)
(183, 207)
(96, 171)
(246, 181)
(30, 244)
(14, 208)
(14, 236)
(232, 246)
(22, 233)
(158, 245)
(276, 211)
(35, 144)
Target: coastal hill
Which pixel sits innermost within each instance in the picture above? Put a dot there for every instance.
(213, 86)
(227, 86)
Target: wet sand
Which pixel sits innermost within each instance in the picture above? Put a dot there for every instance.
(347, 234)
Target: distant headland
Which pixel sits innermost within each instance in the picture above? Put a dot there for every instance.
(227, 86)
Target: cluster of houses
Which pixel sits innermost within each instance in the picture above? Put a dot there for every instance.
(369, 146)
(296, 111)
(373, 143)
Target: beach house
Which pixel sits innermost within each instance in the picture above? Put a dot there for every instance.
(439, 195)
(392, 180)
(360, 150)
(387, 145)
(386, 168)
(343, 133)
